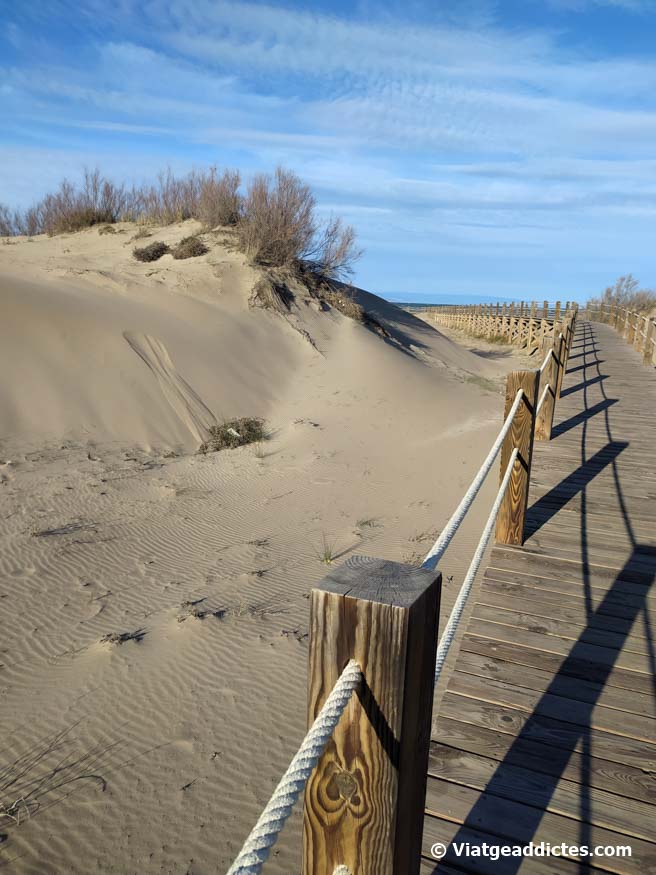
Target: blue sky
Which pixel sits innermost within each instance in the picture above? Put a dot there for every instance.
(479, 147)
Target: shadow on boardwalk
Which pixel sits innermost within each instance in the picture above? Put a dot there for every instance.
(571, 730)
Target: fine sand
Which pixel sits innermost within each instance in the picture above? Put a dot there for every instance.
(154, 751)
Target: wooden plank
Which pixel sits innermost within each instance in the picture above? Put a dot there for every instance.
(631, 594)
(542, 680)
(576, 571)
(549, 731)
(593, 654)
(516, 822)
(608, 810)
(573, 611)
(562, 629)
(569, 709)
(364, 802)
(622, 780)
(438, 830)
(573, 668)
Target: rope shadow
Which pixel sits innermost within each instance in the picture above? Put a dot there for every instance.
(584, 384)
(548, 505)
(545, 744)
(580, 418)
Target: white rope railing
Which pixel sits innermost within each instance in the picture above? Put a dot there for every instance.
(546, 360)
(456, 613)
(542, 398)
(265, 833)
(439, 547)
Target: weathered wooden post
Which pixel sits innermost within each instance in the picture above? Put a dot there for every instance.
(560, 348)
(639, 332)
(364, 803)
(557, 312)
(545, 310)
(630, 337)
(512, 513)
(650, 340)
(544, 417)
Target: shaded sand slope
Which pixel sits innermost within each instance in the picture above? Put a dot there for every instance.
(155, 755)
(153, 354)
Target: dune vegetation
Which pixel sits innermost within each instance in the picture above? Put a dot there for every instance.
(274, 217)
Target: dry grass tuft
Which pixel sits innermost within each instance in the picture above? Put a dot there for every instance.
(190, 247)
(234, 433)
(272, 293)
(107, 229)
(152, 252)
(342, 302)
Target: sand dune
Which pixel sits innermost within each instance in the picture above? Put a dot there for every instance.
(154, 750)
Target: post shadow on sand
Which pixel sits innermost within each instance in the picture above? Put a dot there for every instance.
(545, 744)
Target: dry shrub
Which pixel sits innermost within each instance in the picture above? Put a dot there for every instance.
(97, 201)
(626, 292)
(107, 229)
(278, 225)
(275, 223)
(219, 201)
(6, 222)
(190, 247)
(171, 199)
(234, 433)
(335, 251)
(141, 234)
(152, 252)
(279, 228)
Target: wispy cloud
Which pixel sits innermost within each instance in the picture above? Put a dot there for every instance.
(432, 132)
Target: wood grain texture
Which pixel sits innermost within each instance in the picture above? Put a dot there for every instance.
(364, 802)
(544, 417)
(510, 522)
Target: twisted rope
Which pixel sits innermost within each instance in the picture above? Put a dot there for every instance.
(439, 547)
(454, 618)
(265, 833)
(541, 401)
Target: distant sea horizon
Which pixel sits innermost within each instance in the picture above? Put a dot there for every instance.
(422, 300)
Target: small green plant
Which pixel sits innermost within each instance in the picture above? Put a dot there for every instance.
(152, 252)
(234, 433)
(190, 247)
(326, 552)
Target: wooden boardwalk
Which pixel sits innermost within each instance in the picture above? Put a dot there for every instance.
(547, 730)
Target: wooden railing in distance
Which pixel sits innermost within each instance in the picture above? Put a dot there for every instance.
(638, 330)
(533, 420)
(364, 803)
(526, 325)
